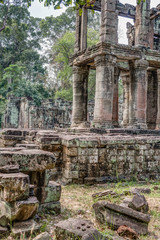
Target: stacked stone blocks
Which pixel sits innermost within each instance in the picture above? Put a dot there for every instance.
(16, 203)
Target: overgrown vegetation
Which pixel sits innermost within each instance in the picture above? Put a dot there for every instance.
(77, 201)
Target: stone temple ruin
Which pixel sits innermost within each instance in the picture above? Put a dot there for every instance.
(33, 159)
(138, 64)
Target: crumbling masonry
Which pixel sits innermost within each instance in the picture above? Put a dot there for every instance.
(138, 64)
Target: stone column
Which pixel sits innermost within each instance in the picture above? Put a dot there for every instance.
(84, 28)
(158, 101)
(103, 110)
(78, 32)
(142, 23)
(138, 98)
(115, 97)
(80, 96)
(109, 21)
(125, 76)
(152, 94)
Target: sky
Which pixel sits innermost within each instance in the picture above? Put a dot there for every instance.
(38, 10)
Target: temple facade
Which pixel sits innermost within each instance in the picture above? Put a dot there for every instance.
(138, 65)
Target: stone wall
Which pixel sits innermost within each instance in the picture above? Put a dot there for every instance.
(23, 113)
(90, 157)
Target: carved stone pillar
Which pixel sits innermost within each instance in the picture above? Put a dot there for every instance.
(158, 101)
(80, 96)
(103, 111)
(115, 97)
(138, 98)
(109, 21)
(125, 76)
(78, 32)
(152, 94)
(84, 22)
(142, 23)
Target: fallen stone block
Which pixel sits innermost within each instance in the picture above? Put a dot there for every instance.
(28, 160)
(78, 229)
(23, 210)
(5, 214)
(14, 186)
(43, 236)
(141, 190)
(103, 194)
(25, 228)
(116, 216)
(127, 232)
(19, 211)
(52, 208)
(139, 204)
(51, 193)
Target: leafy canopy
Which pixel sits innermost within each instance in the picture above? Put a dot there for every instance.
(58, 3)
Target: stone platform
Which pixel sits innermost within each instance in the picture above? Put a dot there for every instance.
(95, 155)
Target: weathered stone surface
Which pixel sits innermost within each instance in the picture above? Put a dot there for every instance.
(23, 210)
(141, 190)
(28, 160)
(5, 214)
(139, 203)
(51, 207)
(127, 232)
(19, 211)
(14, 186)
(28, 146)
(9, 169)
(77, 229)
(43, 236)
(25, 228)
(102, 194)
(51, 193)
(3, 231)
(116, 216)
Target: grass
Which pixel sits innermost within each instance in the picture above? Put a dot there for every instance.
(77, 201)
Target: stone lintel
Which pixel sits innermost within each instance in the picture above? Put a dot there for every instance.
(122, 52)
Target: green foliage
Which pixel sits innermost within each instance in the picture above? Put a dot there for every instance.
(62, 50)
(22, 71)
(64, 94)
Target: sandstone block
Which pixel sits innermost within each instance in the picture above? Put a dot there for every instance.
(141, 190)
(20, 210)
(28, 146)
(23, 210)
(14, 186)
(28, 159)
(71, 151)
(116, 216)
(77, 229)
(51, 193)
(25, 228)
(43, 236)
(139, 203)
(9, 169)
(5, 214)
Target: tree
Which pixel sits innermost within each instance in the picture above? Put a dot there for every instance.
(22, 71)
(62, 50)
